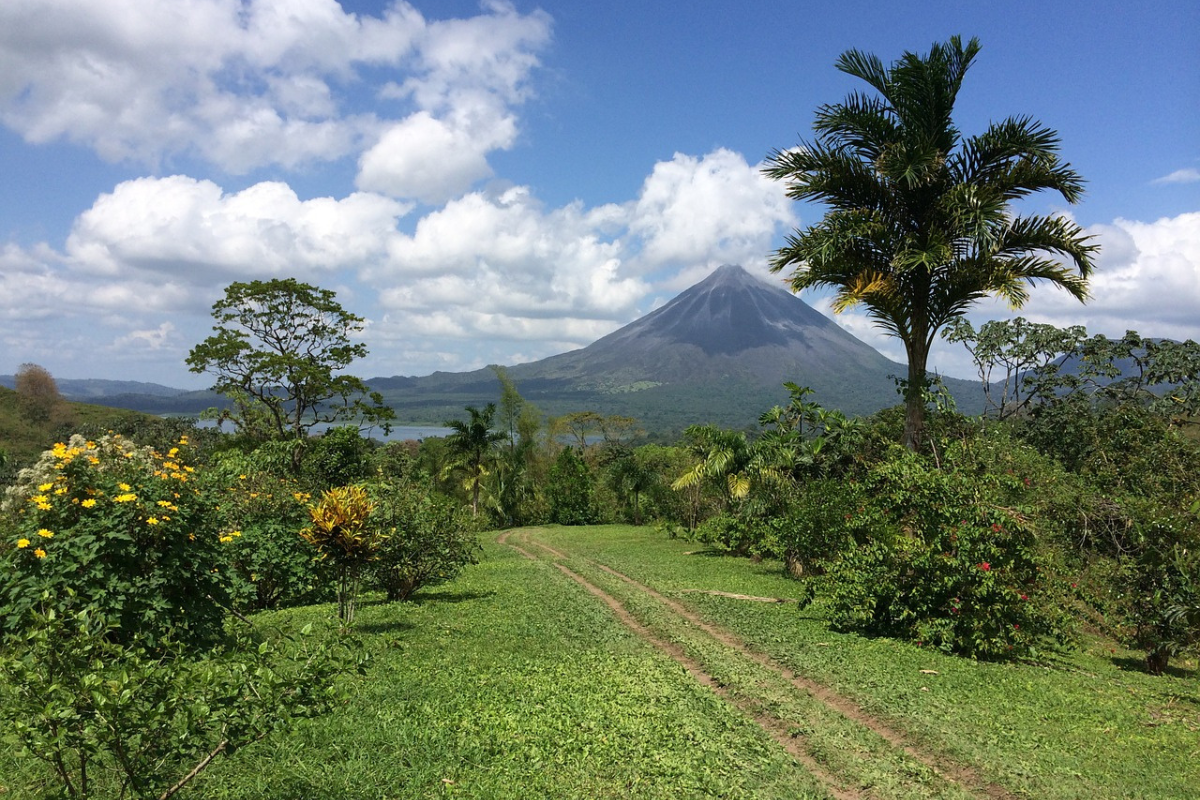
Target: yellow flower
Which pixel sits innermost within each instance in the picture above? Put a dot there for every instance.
(45, 487)
(89, 503)
(45, 534)
(124, 487)
(61, 490)
(152, 520)
(43, 506)
(93, 460)
(38, 499)
(40, 553)
(226, 539)
(125, 498)
(22, 544)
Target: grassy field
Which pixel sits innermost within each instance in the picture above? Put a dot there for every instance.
(602, 667)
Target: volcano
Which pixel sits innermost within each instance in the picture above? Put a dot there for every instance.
(718, 353)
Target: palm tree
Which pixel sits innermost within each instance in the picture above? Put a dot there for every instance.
(920, 224)
(629, 476)
(471, 447)
(721, 455)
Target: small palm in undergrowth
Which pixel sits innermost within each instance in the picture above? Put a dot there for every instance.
(341, 529)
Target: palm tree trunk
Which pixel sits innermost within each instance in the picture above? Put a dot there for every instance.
(914, 394)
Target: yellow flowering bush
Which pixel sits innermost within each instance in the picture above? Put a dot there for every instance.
(114, 529)
(259, 510)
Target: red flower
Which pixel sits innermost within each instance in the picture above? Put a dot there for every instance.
(1016, 627)
(983, 565)
(996, 527)
(1024, 597)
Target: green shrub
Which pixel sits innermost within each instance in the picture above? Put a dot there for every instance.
(813, 528)
(339, 457)
(730, 532)
(570, 490)
(428, 538)
(940, 560)
(259, 511)
(119, 531)
(1163, 585)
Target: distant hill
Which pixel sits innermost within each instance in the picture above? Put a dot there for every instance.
(87, 388)
(719, 352)
(150, 398)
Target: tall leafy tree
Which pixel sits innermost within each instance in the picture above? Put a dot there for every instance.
(520, 421)
(472, 447)
(278, 351)
(920, 223)
(37, 393)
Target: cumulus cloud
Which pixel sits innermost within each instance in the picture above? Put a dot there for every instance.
(711, 210)
(152, 339)
(193, 232)
(260, 82)
(499, 265)
(431, 160)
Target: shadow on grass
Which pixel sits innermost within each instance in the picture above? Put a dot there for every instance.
(447, 596)
(1139, 665)
(390, 626)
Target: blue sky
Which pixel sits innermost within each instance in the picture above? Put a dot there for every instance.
(502, 182)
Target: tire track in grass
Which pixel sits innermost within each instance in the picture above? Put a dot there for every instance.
(952, 771)
(775, 728)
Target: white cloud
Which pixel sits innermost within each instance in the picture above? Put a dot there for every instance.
(1189, 175)
(192, 231)
(712, 210)
(152, 339)
(431, 160)
(250, 83)
(500, 266)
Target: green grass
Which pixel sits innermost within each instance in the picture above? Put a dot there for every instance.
(515, 682)
(1084, 724)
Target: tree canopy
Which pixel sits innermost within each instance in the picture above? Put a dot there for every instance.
(920, 223)
(277, 351)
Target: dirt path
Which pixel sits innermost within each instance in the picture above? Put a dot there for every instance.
(947, 769)
(775, 728)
